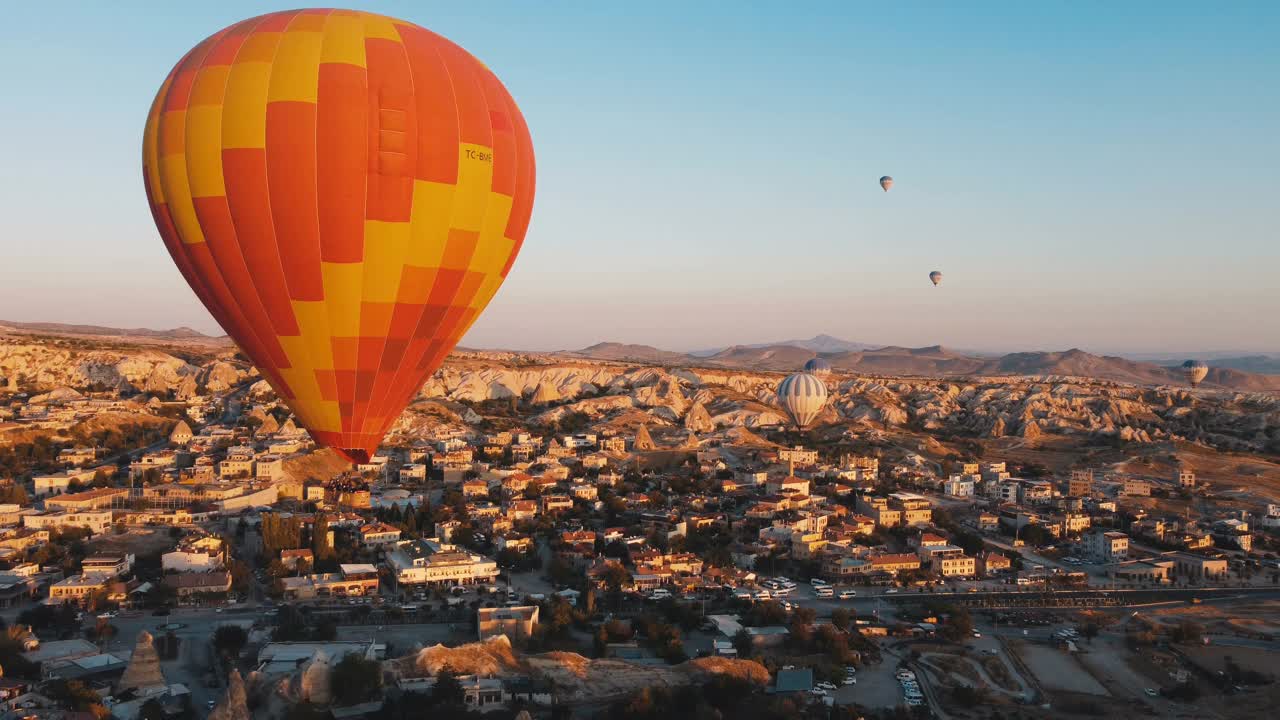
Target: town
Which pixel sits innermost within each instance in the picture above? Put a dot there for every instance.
(188, 551)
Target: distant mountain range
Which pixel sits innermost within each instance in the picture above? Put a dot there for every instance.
(935, 361)
(175, 334)
(1246, 372)
(817, 343)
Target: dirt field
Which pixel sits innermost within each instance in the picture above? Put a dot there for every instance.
(1058, 670)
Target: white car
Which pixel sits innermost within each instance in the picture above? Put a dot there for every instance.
(826, 686)
(850, 680)
(848, 594)
(1151, 692)
(819, 582)
(818, 692)
(761, 595)
(891, 591)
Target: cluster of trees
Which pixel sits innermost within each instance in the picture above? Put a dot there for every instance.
(663, 638)
(293, 625)
(39, 455)
(287, 533)
(722, 697)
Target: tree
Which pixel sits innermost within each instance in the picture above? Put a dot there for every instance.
(355, 679)
(840, 617)
(320, 539)
(447, 690)
(152, 710)
(742, 643)
(1187, 632)
(230, 640)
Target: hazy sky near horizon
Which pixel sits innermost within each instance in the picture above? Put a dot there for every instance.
(1085, 174)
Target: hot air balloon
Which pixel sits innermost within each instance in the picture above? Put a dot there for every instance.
(345, 192)
(802, 395)
(935, 277)
(886, 182)
(817, 367)
(1195, 371)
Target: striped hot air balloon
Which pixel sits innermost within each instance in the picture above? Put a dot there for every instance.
(344, 192)
(802, 396)
(817, 367)
(1195, 371)
(886, 182)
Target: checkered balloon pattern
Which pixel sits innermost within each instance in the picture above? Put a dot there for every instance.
(345, 192)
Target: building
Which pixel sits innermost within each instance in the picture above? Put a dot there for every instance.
(1080, 484)
(1035, 492)
(1106, 545)
(181, 433)
(97, 521)
(992, 563)
(798, 456)
(1185, 478)
(200, 554)
(108, 565)
(962, 486)
(949, 565)
(379, 534)
(355, 580)
(1144, 571)
(269, 467)
(1133, 487)
(1195, 566)
(514, 622)
(77, 587)
(94, 499)
(894, 563)
(432, 562)
(186, 585)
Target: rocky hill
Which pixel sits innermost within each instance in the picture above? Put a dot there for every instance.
(36, 365)
(1029, 395)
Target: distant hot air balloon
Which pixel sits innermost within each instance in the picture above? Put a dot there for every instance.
(817, 367)
(1195, 371)
(802, 395)
(344, 192)
(935, 277)
(886, 182)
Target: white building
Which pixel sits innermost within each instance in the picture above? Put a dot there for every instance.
(960, 486)
(432, 562)
(1106, 545)
(98, 521)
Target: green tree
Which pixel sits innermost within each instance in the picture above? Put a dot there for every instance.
(742, 643)
(230, 640)
(447, 689)
(355, 679)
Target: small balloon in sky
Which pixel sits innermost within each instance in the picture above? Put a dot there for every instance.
(886, 182)
(935, 277)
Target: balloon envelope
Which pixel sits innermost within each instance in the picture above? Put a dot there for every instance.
(802, 396)
(1195, 371)
(936, 277)
(344, 192)
(886, 182)
(817, 367)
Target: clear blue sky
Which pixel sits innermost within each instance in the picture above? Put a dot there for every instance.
(1093, 174)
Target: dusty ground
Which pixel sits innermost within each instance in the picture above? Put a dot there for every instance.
(1057, 670)
(1254, 618)
(138, 541)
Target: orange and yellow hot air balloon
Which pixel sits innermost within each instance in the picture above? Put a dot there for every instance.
(344, 192)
